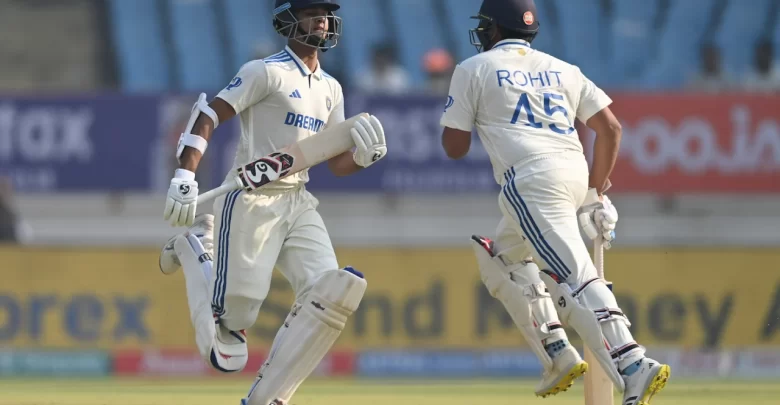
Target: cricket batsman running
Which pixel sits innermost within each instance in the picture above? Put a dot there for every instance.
(523, 103)
(280, 100)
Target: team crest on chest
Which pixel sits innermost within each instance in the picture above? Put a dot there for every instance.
(328, 103)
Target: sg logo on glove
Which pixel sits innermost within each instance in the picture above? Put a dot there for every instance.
(184, 189)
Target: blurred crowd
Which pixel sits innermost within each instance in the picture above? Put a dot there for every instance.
(763, 78)
(388, 76)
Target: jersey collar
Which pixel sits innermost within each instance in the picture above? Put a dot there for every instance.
(512, 43)
(317, 74)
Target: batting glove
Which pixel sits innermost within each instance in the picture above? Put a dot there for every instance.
(182, 199)
(369, 137)
(598, 218)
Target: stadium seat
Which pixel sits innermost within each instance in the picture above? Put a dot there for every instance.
(200, 57)
(141, 55)
(249, 28)
(364, 28)
(632, 36)
(418, 31)
(583, 36)
(740, 30)
(682, 35)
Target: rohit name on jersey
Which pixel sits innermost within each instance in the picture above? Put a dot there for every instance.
(304, 121)
(547, 78)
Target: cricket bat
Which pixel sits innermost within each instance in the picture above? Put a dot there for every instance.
(598, 386)
(287, 161)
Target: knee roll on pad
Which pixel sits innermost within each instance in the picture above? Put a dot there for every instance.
(308, 333)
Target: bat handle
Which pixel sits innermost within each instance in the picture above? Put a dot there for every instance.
(598, 246)
(221, 190)
(598, 256)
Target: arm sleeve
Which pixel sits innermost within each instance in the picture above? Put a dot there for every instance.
(461, 109)
(592, 99)
(251, 84)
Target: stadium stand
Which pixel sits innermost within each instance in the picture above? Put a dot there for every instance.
(632, 39)
(249, 27)
(142, 59)
(459, 21)
(361, 19)
(683, 32)
(583, 35)
(740, 30)
(776, 35)
(642, 44)
(200, 57)
(418, 31)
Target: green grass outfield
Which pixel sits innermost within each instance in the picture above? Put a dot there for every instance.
(219, 391)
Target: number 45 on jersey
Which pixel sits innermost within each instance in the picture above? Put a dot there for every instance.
(554, 117)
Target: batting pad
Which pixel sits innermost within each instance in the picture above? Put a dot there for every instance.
(583, 320)
(519, 304)
(197, 266)
(306, 336)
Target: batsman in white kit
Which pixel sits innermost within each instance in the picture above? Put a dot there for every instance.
(228, 258)
(523, 104)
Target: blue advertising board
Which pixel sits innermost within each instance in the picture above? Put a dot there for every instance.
(127, 143)
(76, 143)
(415, 161)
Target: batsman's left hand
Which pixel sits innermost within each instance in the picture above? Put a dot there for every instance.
(369, 138)
(598, 218)
(182, 200)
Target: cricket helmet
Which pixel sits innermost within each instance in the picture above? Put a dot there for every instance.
(513, 15)
(287, 24)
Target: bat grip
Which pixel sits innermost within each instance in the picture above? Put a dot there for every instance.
(221, 190)
(598, 246)
(598, 256)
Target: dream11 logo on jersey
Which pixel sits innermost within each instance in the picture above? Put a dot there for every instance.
(673, 144)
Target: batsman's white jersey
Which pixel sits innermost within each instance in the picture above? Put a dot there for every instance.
(279, 101)
(523, 103)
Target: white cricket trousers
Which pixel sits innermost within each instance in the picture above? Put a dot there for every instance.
(255, 232)
(540, 200)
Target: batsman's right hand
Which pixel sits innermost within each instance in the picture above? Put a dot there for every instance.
(182, 199)
(598, 218)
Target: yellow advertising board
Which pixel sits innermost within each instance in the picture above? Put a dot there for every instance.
(433, 298)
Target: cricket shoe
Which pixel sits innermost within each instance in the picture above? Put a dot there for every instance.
(567, 367)
(644, 379)
(202, 228)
